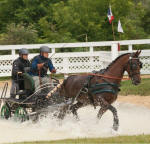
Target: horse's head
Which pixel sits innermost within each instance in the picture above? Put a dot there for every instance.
(133, 67)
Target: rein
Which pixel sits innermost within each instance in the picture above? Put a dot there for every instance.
(104, 76)
(99, 75)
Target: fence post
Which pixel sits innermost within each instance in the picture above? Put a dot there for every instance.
(53, 50)
(114, 51)
(66, 66)
(13, 52)
(91, 49)
(91, 59)
(130, 48)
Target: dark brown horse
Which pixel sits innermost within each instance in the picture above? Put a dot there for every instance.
(101, 90)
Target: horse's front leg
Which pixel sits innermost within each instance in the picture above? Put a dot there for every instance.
(63, 112)
(104, 107)
(101, 112)
(116, 120)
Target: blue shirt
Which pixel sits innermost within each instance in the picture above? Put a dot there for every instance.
(38, 60)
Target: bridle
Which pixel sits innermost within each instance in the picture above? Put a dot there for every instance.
(133, 66)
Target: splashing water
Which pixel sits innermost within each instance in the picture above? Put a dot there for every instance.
(133, 120)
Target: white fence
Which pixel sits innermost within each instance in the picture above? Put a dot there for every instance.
(77, 62)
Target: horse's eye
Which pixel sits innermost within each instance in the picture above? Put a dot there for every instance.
(141, 64)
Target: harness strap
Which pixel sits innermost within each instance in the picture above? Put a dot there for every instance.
(104, 91)
(104, 84)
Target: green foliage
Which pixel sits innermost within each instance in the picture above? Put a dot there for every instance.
(74, 20)
(19, 34)
(143, 89)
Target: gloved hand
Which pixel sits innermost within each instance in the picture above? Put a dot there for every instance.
(19, 73)
(53, 71)
(39, 66)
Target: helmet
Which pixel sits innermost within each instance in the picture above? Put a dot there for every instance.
(23, 51)
(44, 49)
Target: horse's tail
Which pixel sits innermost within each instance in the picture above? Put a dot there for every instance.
(64, 82)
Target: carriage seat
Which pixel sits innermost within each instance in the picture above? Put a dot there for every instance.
(29, 85)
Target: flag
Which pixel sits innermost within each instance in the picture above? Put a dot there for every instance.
(120, 27)
(110, 15)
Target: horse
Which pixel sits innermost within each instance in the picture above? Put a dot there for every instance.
(101, 89)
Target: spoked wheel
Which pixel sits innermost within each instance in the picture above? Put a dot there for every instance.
(5, 112)
(21, 114)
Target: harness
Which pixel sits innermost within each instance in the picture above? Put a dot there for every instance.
(104, 88)
(98, 88)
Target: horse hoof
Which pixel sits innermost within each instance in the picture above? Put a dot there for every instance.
(115, 127)
(77, 119)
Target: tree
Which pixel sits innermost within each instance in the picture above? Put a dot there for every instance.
(76, 20)
(19, 34)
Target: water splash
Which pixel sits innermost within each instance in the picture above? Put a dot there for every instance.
(133, 120)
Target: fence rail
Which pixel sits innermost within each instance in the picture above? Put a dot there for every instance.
(77, 62)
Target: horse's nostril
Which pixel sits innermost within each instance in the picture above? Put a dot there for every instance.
(137, 82)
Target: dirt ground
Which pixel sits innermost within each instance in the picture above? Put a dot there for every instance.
(138, 100)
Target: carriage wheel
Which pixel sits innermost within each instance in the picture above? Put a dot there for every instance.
(5, 111)
(21, 114)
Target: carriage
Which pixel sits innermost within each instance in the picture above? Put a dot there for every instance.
(29, 104)
(100, 89)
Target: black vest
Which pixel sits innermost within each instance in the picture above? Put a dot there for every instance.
(19, 65)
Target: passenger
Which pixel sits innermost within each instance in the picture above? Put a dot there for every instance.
(39, 67)
(20, 66)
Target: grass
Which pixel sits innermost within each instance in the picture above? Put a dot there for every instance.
(143, 89)
(5, 78)
(115, 140)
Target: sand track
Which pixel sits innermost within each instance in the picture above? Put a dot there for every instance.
(134, 119)
(137, 100)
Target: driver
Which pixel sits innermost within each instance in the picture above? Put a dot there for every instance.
(20, 66)
(39, 67)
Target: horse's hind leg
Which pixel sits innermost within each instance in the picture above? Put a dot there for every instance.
(63, 112)
(74, 109)
(116, 120)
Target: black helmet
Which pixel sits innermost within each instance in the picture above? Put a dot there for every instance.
(44, 49)
(23, 51)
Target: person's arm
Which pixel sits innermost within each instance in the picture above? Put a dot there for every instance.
(15, 68)
(36, 65)
(51, 67)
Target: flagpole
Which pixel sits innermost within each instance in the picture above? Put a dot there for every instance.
(119, 46)
(120, 35)
(113, 31)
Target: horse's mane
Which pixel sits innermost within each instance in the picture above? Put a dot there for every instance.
(116, 60)
(102, 71)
